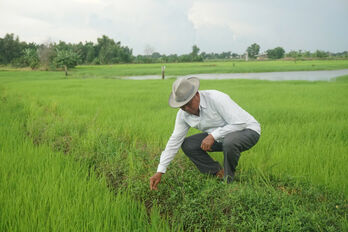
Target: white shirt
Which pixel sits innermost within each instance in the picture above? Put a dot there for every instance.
(219, 115)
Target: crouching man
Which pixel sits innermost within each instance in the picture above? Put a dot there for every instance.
(225, 125)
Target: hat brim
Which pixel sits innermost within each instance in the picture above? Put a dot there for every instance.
(175, 104)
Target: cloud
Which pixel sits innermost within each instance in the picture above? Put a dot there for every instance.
(234, 25)
(174, 26)
(161, 24)
(136, 23)
(220, 14)
(229, 25)
(39, 20)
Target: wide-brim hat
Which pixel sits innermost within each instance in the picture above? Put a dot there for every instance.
(183, 90)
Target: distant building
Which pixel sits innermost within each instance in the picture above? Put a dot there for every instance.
(262, 56)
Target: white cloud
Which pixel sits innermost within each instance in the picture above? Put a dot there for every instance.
(234, 20)
(293, 24)
(222, 14)
(173, 26)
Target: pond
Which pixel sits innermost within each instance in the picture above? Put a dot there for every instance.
(324, 75)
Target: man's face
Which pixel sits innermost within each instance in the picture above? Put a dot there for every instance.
(192, 107)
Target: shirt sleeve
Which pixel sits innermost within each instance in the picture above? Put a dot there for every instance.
(176, 139)
(231, 113)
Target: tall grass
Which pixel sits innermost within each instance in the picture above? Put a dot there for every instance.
(304, 125)
(294, 179)
(42, 190)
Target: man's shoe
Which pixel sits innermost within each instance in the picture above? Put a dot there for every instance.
(220, 174)
(230, 178)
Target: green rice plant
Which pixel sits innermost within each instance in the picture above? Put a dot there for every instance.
(42, 190)
(294, 179)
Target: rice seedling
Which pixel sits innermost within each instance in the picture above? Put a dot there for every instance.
(295, 178)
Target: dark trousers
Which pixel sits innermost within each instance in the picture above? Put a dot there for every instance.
(233, 144)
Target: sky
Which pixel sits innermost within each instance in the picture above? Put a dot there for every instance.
(174, 26)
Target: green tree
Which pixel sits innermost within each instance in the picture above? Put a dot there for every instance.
(172, 58)
(63, 46)
(126, 54)
(90, 52)
(106, 50)
(185, 58)
(294, 54)
(111, 52)
(321, 54)
(195, 50)
(31, 58)
(10, 49)
(307, 54)
(275, 53)
(225, 55)
(235, 55)
(66, 59)
(253, 50)
(194, 56)
(156, 55)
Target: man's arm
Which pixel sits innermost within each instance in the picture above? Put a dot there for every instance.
(176, 139)
(233, 114)
(207, 143)
(154, 180)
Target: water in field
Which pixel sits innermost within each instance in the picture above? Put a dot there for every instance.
(325, 75)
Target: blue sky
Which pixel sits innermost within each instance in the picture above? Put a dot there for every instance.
(173, 26)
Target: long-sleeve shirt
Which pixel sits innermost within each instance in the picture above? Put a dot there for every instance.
(219, 115)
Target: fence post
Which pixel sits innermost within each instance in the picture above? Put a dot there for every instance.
(163, 68)
(66, 70)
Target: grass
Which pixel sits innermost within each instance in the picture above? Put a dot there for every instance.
(42, 190)
(295, 178)
(342, 78)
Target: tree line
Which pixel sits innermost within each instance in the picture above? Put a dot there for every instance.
(106, 51)
(279, 53)
(55, 55)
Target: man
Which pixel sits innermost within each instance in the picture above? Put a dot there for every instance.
(227, 127)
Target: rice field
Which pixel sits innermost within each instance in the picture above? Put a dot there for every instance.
(45, 190)
(76, 155)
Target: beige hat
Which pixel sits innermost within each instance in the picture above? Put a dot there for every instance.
(183, 90)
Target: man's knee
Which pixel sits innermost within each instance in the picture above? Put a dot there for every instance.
(240, 140)
(189, 145)
(231, 143)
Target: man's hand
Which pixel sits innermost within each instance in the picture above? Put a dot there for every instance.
(154, 180)
(207, 143)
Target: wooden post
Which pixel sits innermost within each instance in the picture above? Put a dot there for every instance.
(66, 70)
(163, 68)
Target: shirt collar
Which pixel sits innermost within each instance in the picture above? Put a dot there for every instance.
(202, 102)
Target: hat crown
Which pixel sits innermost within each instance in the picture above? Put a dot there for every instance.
(182, 89)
